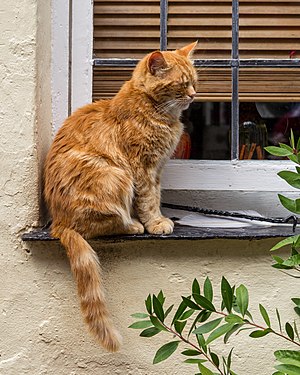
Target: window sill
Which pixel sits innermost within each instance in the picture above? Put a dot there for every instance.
(185, 233)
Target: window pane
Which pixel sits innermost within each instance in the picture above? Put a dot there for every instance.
(269, 84)
(208, 21)
(130, 28)
(266, 124)
(269, 29)
(207, 132)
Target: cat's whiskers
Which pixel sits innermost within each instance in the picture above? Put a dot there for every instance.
(166, 107)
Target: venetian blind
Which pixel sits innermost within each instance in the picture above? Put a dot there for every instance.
(268, 29)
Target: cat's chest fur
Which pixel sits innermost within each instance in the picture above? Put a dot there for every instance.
(149, 144)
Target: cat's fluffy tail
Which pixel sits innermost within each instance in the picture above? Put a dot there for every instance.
(86, 270)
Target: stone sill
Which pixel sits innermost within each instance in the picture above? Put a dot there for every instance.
(186, 233)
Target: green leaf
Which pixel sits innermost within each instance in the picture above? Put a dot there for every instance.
(279, 320)
(298, 145)
(191, 304)
(296, 301)
(265, 315)
(161, 297)
(204, 302)
(219, 332)
(288, 369)
(292, 261)
(141, 324)
(286, 147)
(165, 351)
(289, 330)
(229, 359)
(168, 310)
(190, 352)
(196, 287)
(201, 342)
(201, 317)
(158, 309)
(289, 204)
(181, 309)
(294, 158)
(278, 259)
(227, 294)
(204, 370)
(231, 332)
(179, 326)
(208, 290)
(187, 314)
(208, 327)
(149, 332)
(278, 151)
(242, 299)
(260, 333)
(215, 359)
(291, 357)
(296, 329)
(286, 241)
(278, 373)
(292, 139)
(232, 318)
(297, 310)
(148, 304)
(140, 315)
(292, 178)
(281, 266)
(158, 324)
(195, 360)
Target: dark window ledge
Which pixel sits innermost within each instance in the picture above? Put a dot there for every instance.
(185, 233)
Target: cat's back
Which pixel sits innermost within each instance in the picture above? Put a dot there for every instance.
(85, 138)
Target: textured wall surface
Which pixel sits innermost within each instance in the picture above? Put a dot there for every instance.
(41, 327)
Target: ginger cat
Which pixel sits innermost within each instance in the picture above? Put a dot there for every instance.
(102, 173)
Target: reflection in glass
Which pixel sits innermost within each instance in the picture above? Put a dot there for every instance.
(266, 124)
(207, 132)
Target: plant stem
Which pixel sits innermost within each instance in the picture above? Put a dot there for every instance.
(262, 328)
(193, 345)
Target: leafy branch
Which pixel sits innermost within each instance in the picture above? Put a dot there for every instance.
(196, 311)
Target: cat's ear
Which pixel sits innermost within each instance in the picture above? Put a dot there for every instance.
(156, 63)
(187, 50)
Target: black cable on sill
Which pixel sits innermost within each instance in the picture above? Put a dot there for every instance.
(276, 220)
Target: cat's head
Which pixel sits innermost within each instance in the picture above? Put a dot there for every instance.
(169, 78)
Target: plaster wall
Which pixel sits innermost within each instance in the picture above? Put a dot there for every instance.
(41, 327)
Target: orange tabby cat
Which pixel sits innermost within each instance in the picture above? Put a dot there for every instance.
(102, 173)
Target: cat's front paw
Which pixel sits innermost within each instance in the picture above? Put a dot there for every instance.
(162, 225)
(135, 228)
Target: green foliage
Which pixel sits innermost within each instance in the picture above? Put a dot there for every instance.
(207, 324)
(197, 321)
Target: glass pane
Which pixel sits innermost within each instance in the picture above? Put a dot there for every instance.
(266, 124)
(269, 29)
(269, 109)
(207, 132)
(209, 22)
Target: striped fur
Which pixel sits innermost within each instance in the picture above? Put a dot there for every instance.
(102, 173)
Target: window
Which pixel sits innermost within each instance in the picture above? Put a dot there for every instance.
(248, 91)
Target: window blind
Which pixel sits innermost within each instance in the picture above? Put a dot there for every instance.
(268, 29)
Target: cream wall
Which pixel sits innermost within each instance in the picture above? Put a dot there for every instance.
(41, 327)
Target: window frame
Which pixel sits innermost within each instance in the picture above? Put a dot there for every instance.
(72, 68)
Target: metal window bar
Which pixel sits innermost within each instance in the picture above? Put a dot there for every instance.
(163, 25)
(235, 63)
(235, 82)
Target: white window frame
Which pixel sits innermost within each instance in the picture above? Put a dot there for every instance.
(228, 181)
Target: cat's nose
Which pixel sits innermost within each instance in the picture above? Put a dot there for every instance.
(191, 93)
